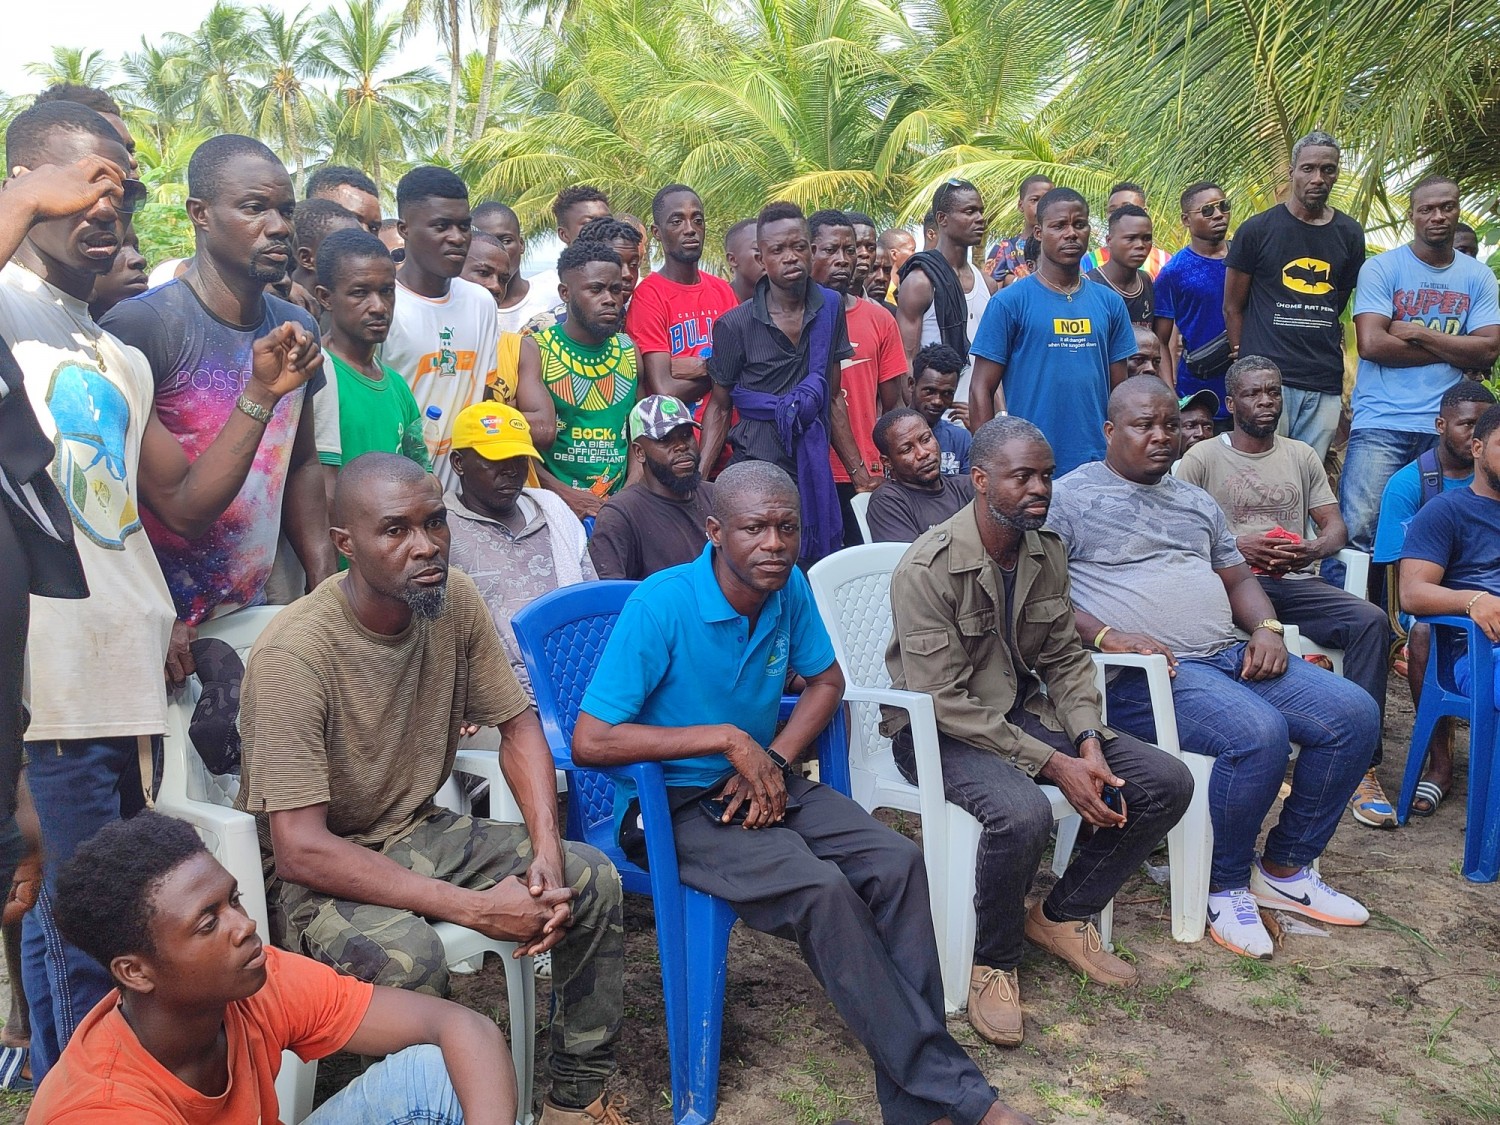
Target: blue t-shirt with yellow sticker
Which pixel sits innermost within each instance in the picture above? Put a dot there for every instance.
(1056, 353)
(680, 655)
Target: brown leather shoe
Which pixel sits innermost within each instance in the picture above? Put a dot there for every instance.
(995, 1005)
(1079, 945)
(601, 1112)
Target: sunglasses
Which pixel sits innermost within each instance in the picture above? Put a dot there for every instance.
(133, 196)
(1208, 209)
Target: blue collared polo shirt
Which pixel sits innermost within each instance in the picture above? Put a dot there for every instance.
(680, 655)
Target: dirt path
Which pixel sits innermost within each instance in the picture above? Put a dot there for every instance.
(1391, 1023)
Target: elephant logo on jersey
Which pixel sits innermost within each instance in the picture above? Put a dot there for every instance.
(1308, 275)
(93, 420)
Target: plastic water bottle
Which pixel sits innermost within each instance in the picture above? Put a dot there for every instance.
(432, 429)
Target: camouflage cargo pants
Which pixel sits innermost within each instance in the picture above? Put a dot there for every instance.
(397, 948)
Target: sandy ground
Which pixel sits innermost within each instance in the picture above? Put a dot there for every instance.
(1391, 1023)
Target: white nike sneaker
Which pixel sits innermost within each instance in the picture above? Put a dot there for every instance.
(1305, 893)
(1234, 921)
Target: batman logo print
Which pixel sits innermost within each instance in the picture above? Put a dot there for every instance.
(1308, 275)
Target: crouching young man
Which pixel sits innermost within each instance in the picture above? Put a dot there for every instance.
(691, 677)
(204, 1008)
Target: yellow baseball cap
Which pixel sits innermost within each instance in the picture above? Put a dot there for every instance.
(494, 431)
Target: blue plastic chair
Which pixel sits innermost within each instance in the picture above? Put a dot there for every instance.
(1440, 697)
(561, 637)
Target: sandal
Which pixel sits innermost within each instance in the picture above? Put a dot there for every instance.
(1428, 797)
(13, 1061)
(1402, 662)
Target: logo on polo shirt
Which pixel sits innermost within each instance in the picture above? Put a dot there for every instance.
(776, 662)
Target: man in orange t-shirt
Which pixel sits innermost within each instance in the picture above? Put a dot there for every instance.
(204, 1009)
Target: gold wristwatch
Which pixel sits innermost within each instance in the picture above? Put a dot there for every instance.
(1272, 624)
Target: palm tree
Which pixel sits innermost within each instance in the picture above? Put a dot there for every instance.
(374, 120)
(74, 66)
(157, 90)
(217, 54)
(443, 17)
(286, 53)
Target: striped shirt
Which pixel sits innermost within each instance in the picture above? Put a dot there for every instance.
(334, 714)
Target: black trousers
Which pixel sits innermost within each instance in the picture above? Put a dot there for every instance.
(15, 619)
(853, 895)
(1015, 819)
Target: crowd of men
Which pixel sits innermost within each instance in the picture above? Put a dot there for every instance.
(383, 425)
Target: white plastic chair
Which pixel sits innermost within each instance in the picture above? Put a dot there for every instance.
(852, 591)
(1356, 582)
(189, 792)
(859, 503)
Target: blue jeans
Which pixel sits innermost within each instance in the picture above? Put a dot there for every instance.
(411, 1087)
(78, 787)
(1311, 417)
(1372, 459)
(1246, 727)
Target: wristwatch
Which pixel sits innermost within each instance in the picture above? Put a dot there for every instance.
(781, 763)
(1272, 624)
(254, 410)
(1084, 736)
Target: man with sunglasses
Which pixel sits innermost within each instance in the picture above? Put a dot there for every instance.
(95, 665)
(1190, 288)
(1288, 276)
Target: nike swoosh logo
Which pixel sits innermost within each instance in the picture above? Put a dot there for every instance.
(1305, 900)
(1212, 915)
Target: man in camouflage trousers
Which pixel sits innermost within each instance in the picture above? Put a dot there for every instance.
(354, 700)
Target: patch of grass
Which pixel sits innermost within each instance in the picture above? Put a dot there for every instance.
(1303, 1105)
(1381, 921)
(1390, 1115)
(820, 1104)
(1437, 1035)
(1177, 982)
(1283, 997)
(1252, 970)
(1061, 1101)
(1479, 1095)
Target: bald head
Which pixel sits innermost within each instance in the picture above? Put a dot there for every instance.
(1136, 391)
(358, 496)
(748, 483)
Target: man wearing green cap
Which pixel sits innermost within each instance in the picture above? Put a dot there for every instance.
(516, 543)
(1198, 412)
(657, 520)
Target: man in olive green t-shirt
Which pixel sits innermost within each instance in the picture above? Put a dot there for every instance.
(354, 699)
(365, 407)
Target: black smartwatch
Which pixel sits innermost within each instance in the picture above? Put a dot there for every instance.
(1084, 736)
(781, 763)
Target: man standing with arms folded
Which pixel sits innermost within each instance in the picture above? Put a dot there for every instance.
(672, 314)
(1051, 346)
(1289, 274)
(444, 340)
(1423, 315)
(1190, 290)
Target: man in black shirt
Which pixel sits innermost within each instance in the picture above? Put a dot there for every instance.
(917, 495)
(657, 520)
(1290, 271)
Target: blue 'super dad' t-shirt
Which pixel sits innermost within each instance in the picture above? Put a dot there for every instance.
(1056, 353)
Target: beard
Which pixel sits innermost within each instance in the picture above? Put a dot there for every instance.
(1491, 476)
(1259, 433)
(679, 486)
(426, 602)
(1017, 521)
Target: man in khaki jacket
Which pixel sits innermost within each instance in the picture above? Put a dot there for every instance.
(983, 623)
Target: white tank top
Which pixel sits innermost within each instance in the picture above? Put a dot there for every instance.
(976, 299)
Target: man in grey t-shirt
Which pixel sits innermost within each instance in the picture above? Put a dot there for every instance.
(1154, 569)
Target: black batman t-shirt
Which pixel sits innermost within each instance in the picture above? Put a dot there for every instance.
(1301, 276)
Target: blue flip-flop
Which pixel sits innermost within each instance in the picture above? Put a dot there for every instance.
(12, 1062)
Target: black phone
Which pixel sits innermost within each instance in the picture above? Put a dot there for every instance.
(1113, 799)
(714, 807)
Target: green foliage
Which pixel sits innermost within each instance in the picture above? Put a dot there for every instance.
(860, 103)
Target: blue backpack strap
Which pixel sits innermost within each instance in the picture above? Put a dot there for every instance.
(1432, 476)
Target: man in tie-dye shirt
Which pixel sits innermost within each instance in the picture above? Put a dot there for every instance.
(199, 334)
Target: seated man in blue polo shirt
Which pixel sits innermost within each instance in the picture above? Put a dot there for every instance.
(793, 857)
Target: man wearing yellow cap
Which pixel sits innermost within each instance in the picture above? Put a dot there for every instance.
(516, 543)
